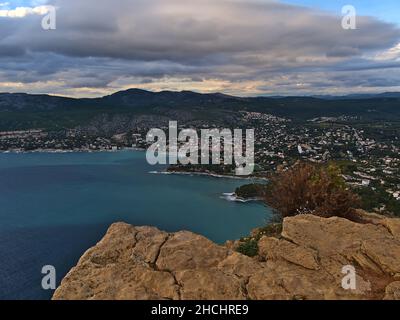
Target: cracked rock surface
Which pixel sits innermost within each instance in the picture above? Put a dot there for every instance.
(305, 262)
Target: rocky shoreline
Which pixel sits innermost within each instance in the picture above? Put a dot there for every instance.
(208, 174)
(304, 262)
(235, 198)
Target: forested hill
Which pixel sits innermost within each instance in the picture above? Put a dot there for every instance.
(22, 111)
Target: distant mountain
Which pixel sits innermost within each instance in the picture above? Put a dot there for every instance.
(140, 98)
(21, 101)
(360, 96)
(21, 111)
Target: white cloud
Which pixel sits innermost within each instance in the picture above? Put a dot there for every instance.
(21, 12)
(391, 54)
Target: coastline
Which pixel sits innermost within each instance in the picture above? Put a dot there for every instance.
(228, 196)
(235, 198)
(209, 174)
(67, 151)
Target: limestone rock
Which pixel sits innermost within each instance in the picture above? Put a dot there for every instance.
(185, 250)
(393, 226)
(306, 262)
(385, 253)
(393, 291)
(210, 284)
(272, 248)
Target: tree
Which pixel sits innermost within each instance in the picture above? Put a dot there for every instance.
(314, 189)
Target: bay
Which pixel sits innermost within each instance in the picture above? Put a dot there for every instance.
(54, 206)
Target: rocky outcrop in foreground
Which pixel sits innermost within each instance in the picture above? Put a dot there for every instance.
(305, 262)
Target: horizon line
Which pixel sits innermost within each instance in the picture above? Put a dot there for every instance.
(207, 93)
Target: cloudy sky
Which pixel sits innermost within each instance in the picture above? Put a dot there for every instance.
(240, 47)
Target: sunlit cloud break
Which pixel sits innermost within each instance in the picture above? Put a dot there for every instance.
(21, 12)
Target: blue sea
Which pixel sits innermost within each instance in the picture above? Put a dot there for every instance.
(54, 206)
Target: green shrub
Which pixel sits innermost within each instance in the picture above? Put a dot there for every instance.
(372, 200)
(254, 190)
(248, 247)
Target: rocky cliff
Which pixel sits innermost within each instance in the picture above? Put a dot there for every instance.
(304, 262)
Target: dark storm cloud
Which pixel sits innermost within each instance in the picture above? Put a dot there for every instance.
(179, 31)
(98, 43)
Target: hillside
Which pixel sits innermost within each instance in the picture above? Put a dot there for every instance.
(24, 111)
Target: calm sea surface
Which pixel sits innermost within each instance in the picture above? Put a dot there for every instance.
(53, 207)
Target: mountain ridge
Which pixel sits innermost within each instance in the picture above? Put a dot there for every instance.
(387, 94)
(25, 111)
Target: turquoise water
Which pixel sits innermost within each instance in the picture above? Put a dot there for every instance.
(55, 206)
